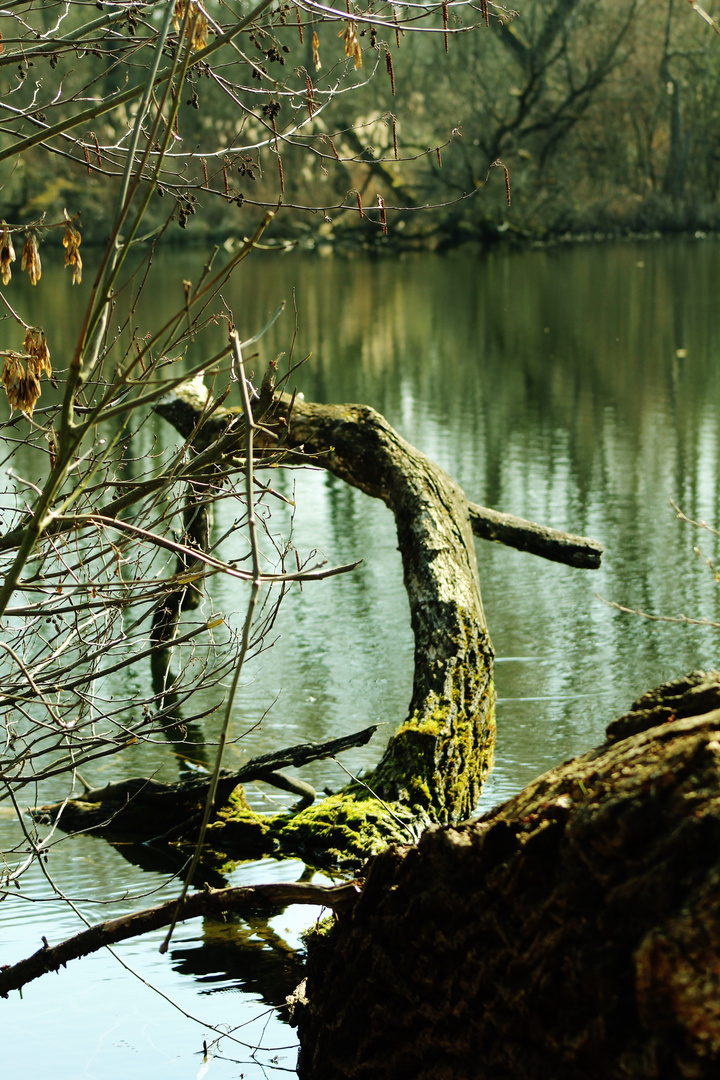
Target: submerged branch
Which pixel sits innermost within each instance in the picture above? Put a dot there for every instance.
(209, 902)
(128, 801)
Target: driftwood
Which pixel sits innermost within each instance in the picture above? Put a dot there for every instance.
(535, 539)
(211, 902)
(434, 766)
(572, 932)
(140, 802)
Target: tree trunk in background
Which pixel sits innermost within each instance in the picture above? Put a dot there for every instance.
(674, 179)
(572, 932)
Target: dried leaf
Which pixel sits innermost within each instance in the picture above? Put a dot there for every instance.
(316, 51)
(30, 260)
(71, 243)
(7, 254)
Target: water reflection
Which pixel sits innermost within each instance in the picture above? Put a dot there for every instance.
(574, 387)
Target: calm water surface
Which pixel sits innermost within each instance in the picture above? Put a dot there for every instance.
(577, 388)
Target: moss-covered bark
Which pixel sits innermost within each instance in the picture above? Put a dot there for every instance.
(433, 767)
(571, 932)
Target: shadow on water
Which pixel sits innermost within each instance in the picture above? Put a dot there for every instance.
(248, 954)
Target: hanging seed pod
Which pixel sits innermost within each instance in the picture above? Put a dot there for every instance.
(391, 73)
(7, 254)
(352, 43)
(71, 243)
(19, 393)
(199, 32)
(38, 354)
(30, 259)
(197, 23)
(179, 13)
(316, 51)
(383, 218)
(22, 386)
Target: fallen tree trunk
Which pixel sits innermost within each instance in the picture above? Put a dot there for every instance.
(210, 902)
(572, 932)
(134, 804)
(434, 766)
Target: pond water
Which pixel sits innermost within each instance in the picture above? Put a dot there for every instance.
(575, 387)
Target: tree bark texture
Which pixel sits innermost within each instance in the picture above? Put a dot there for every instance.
(572, 932)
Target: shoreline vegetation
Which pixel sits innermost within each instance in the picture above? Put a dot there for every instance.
(347, 247)
(651, 223)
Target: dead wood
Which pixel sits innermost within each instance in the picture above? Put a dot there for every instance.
(223, 431)
(434, 766)
(572, 932)
(142, 804)
(211, 902)
(535, 539)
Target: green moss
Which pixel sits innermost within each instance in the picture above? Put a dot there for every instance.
(343, 830)
(344, 825)
(322, 928)
(432, 770)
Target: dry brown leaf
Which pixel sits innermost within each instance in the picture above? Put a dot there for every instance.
(30, 260)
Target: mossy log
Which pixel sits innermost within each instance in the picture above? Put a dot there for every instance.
(572, 932)
(155, 809)
(433, 767)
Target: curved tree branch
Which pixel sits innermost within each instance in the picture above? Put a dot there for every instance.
(209, 902)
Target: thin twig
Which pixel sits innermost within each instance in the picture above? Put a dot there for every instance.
(247, 627)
